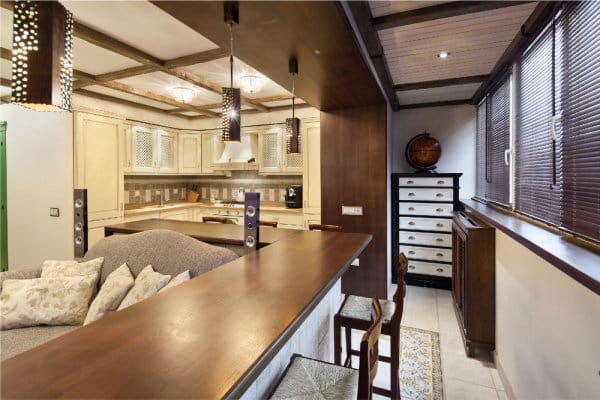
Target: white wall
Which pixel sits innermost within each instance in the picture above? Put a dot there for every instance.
(453, 126)
(39, 147)
(547, 327)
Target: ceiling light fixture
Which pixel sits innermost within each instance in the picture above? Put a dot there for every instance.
(251, 83)
(183, 94)
(42, 61)
(293, 124)
(443, 54)
(230, 113)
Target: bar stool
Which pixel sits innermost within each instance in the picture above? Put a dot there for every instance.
(272, 224)
(323, 227)
(354, 314)
(308, 378)
(220, 220)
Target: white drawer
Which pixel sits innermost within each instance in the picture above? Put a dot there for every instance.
(427, 253)
(441, 210)
(426, 224)
(431, 181)
(427, 268)
(426, 194)
(428, 239)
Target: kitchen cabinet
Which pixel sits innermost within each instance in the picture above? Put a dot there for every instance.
(212, 148)
(190, 153)
(272, 154)
(283, 219)
(311, 177)
(100, 154)
(179, 215)
(152, 150)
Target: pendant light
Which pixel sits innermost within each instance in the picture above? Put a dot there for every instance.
(42, 61)
(293, 124)
(231, 108)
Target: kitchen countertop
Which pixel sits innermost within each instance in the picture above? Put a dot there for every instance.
(265, 206)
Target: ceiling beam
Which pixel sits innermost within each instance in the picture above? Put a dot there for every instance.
(440, 83)
(6, 54)
(276, 108)
(5, 82)
(362, 16)
(541, 15)
(198, 58)
(435, 104)
(445, 10)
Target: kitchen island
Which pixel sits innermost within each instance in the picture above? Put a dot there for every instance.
(219, 335)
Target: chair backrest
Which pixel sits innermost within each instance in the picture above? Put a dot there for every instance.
(221, 220)
(369, 353)
(323, 227)
(400, 292)
(272, 224)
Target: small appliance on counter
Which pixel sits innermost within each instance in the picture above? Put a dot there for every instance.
(293, 196)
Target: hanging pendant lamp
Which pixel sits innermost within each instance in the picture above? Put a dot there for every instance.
(293, 124)
(42, 61)
(231, 108)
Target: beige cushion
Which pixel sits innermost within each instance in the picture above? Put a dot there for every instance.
(178, 280)
(111, 294)
(61, 269)
(359, 307)
(49, 301)
(147, 284)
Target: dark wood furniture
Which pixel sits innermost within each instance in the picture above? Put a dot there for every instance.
(473, 285)
(324, 227)
(391, 327)
(166, 347)
(291, 386)
(272, 224)
(220, 220)
(422, 207)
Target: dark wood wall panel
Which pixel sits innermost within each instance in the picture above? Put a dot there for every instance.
(353, 173)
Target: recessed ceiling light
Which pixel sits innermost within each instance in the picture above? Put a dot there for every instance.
(443, 54)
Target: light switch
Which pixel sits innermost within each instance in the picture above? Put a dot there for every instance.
(54, 212)
(352, 210)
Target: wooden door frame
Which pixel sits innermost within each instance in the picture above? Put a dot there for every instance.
(3, 207)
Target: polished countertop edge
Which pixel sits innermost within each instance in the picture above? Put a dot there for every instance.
(246, 381)
(182, 205)
(561, 250)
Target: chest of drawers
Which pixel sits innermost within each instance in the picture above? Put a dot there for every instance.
(422, 209)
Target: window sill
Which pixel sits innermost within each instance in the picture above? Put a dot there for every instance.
(574, 257)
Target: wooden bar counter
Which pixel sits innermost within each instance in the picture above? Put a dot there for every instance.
(208, 338)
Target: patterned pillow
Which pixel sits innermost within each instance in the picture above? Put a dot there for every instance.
(178, 280)
(45, 301)
(147, 284)
(112, 292)
(61, 269)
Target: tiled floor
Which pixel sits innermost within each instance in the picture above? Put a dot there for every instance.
(464, 378)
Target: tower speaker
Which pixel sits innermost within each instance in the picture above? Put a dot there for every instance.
(251, 218)
(80, 221)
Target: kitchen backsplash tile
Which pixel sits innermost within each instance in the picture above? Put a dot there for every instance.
(140, 190)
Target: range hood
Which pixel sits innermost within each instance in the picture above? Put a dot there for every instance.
(239, 156)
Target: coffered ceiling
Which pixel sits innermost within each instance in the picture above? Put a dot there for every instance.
(134, 53)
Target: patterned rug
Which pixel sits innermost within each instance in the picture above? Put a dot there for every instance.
(420, 366)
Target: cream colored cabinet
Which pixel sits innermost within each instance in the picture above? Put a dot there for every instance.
(190, 153)
(283, 219)
(100, 154)
(272, 154)
(311, 179)
(179, 215)
(152, 150)
(212, 148)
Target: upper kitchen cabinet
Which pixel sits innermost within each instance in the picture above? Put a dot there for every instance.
(151, 150)
(311, 161)
(272, 154)
(212, 148)
(100, 152)
(190, 153)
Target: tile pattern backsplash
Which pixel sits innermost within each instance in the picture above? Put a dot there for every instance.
(141, 190)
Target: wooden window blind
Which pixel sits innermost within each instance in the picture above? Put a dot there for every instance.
(580, 98)
(497, 143)
(480, 156)
(537, 161)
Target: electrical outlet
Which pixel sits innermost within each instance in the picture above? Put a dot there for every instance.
(352, 210)
(54, 212)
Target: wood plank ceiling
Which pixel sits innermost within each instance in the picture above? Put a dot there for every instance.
(475, 34)
(133, 53)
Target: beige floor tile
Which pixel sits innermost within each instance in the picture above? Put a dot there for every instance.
(502, 395)
(420, 309)
(466, 369)
(455, 389)
(496, 379)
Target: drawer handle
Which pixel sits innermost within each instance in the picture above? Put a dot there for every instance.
(439, 225)
(411, 252)
(411, 223)
(411, 209)
(411, 194)
(439, 209)
(439, 240)
(439, 255)
(439, 195)
(439, 270)
(441, 182)
(411, 238)
(411, 267)
(409, 182)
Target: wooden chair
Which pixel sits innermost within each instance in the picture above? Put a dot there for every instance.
(305, 377)
(272, 224)
(354, 314)
(323, 227)
(220, 220)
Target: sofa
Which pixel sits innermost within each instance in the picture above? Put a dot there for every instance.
(168, 252)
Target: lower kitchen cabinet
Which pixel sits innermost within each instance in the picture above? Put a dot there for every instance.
(284, 220)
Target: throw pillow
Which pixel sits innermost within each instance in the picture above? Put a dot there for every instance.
(147, 284)
(45, 301)
(112, 292)
(61, 269)
(178, 280)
